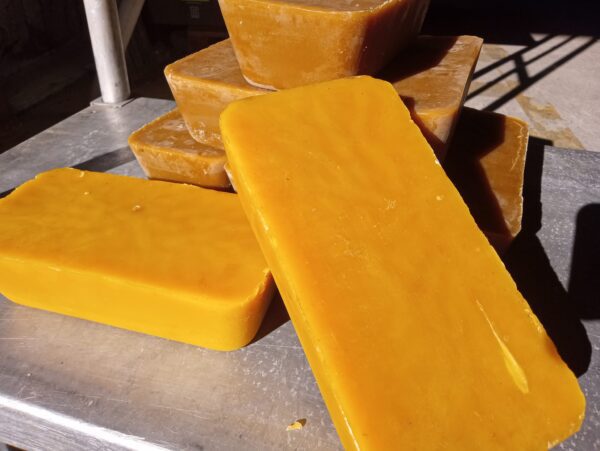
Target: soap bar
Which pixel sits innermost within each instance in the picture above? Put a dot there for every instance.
(415, 331)
(166, 259)
(286, 43)
(433, 77)
(486, 163)
(432, 81)
(166, 151)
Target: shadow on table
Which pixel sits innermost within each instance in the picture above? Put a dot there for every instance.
(530, 267)
(584, 281)
(275, 317)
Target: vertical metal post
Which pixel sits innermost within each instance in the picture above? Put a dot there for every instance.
(129, 12)
(105, 34)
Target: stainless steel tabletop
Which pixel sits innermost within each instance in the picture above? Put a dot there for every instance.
(71, 384)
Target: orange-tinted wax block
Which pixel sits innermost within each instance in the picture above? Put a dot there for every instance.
(486, 163)
(433, 77)
(166, 259)
(203, 84)
(286, 43)
(433, 83)
(166, 151)
(415, 331)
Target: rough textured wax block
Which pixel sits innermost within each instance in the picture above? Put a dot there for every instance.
(414, 329)
(286, 43)
(486, 163)
(433, 83)
(203, 84)
(171, 260)
(433, 77)
(166, 151)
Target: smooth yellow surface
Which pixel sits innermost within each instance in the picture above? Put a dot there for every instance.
(281, 44)
(166, 151)
(432, 76)
(486, 163)
(414, 329)
(171, 260)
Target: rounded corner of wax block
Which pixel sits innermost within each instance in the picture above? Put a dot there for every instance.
(170, 70)
(224, 117)
(133, 140)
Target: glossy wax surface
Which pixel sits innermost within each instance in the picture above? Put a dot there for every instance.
(166, 151)
(414, 329)
(166, 259)
(282, 44)
(432, 79)
(486, 163)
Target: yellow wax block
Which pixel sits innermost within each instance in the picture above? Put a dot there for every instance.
(432, 80)
(286, 43)
(415, 331)
(433, 77)
(486, 163)
(166, 151)
(165, 259)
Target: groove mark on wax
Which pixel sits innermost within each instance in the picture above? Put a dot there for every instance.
(514, 369)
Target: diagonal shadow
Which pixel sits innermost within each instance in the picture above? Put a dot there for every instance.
(520, 67)
(107, 161)
(527, 262)
(532, 80)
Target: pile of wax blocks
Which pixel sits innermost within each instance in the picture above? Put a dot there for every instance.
(363, 188)
(430, 73)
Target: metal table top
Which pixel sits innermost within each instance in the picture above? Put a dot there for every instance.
(71, 384)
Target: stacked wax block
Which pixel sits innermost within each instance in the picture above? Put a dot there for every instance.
(430, 73)
(416, 334)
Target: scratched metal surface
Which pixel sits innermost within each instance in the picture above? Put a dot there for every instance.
(71, 384)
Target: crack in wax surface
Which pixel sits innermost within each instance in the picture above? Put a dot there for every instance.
(166, 259)
(414, 329)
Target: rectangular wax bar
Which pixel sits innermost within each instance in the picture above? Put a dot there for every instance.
(432, 80)
(486, 163)
(414, 329)
(286, 43)
(433, 77)
(166, 259)
(166, 151)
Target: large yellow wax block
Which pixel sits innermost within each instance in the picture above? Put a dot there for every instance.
(166, 151)
(166, 259)
(286, 43)
(433, 77)
(486, 163)
(432, 80)
(414, 329)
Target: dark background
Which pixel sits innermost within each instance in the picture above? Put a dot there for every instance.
(47, 70)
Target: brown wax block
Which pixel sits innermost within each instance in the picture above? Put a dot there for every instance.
(486, 163)
(432, 78)
(286, 43)
(166, 151)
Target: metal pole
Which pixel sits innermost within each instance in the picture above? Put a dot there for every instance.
(129, 12)
(105, 34)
